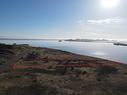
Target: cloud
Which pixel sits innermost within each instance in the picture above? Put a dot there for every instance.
(102, 28)
(106, 21)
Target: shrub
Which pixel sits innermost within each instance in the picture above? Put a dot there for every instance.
(32, 55)
(2, 61)
(106, 70)
(103, 72)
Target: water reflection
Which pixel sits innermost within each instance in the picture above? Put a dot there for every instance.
(99, 53)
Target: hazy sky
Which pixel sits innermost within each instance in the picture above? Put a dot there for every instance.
(63, 19)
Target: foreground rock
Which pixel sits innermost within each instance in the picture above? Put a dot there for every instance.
(26, 70)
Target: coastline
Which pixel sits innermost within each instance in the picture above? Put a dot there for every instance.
(58, 72)
(95, 49)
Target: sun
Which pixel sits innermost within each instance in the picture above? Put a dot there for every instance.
(109, 3)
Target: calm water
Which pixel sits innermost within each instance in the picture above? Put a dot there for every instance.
(101, 50)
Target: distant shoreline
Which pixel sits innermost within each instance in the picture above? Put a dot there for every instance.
(91, 40)
(24, 39)
(120, 44)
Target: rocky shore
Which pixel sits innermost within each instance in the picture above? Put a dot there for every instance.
(26, 70)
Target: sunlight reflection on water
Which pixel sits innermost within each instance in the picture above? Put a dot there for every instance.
(99, 53)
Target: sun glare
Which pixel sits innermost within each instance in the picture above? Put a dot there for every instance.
(109, 3)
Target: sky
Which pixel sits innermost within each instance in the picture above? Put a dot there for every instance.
(63, 19)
